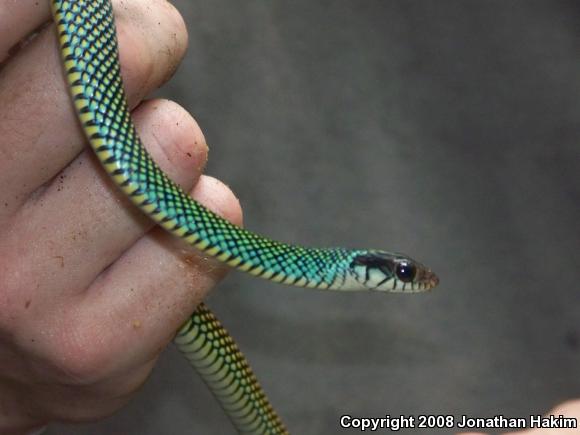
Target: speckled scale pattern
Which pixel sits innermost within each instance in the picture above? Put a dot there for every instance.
(89, 49)
(218, 360)
(87, 32)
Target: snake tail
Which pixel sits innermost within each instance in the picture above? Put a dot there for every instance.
(213, 353)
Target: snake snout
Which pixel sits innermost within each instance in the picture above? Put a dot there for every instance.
(428, 278)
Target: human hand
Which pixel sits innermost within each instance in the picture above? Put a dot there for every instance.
(570, 409)
(90, 294)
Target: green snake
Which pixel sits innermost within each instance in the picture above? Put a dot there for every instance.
(87, 35)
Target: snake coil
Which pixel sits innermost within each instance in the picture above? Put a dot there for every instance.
(87, 35)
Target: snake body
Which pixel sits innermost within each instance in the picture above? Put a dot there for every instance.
(87, 35)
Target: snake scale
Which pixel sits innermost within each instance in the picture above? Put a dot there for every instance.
(87, 35)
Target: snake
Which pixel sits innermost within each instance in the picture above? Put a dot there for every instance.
(88, 45)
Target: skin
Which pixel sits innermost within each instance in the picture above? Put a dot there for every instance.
(90, 292)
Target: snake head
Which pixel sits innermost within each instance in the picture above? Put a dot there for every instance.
(392, 272)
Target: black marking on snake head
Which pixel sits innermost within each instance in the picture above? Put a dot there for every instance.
(390, 264)
(380, 261)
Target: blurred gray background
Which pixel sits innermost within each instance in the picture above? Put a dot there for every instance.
(449, 130)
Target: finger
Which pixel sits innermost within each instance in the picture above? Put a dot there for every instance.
(59, 243)
(77, 405)
(133, 309)
(19, 19)
(39, 131)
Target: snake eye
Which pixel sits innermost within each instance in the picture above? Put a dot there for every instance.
(406, 271)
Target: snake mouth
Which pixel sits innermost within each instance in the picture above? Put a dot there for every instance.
(429, 279)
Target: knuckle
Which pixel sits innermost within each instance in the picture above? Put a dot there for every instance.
(220, 198)
(153, 39)
(78, 355)
(15, 288)
(173, 139)
(137, 64)
(177, 24)
(234, 212)
(174, 37)
(185, 134)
